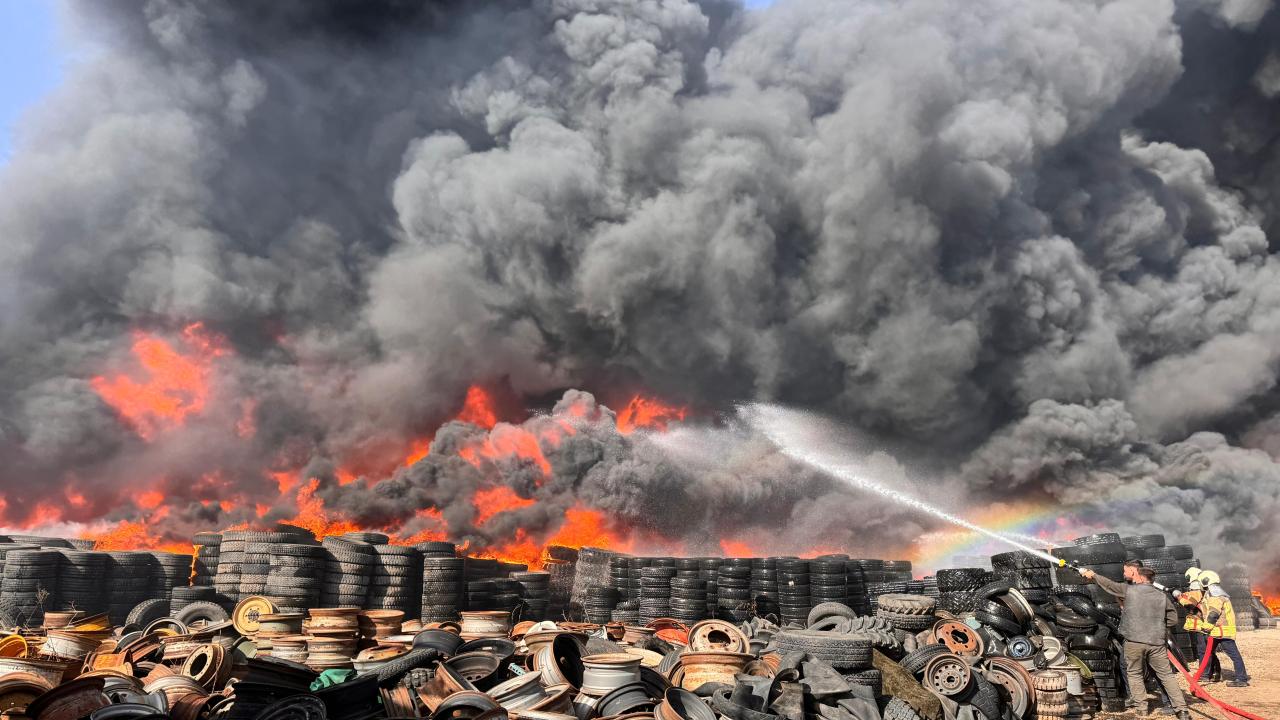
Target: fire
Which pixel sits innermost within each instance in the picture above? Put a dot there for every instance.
(131, 535)
(735, 548)
(585, 527)
(1272, 602)
(491, 501)
(477, 409)
(313, 516)
(176, 385)
(504, 442)
(648, 414)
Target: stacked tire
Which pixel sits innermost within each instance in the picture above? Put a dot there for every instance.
(561, 574)
(128, 582)
(508, 594)
(230, 557)
(827, 581)
(81, 576)
(396, 580)
(598, 604)
(170, 570)
(295, 576)
(257, 563)
(1102, 553)
(30, 584)
(655, 592)
(348, 571)
(733, 590)
(620, 576)
(860, 574)
(956, 588)
(536, 591)
(627, 612)
(709, 570)
(181, 597)
(794, 600)
(442, 588)
(688, 597)
(1170, 564)
(764, 586)
(1023, 570)
(897, 570)
(208, 548)
(1235, 580)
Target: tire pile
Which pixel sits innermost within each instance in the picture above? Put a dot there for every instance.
(1235, 580)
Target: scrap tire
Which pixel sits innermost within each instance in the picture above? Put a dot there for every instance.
(147, 612)
(915, 660)
(210, 612)
(913, 623)
(985, 697)
(829, 610)
(1049, 680)
(1004, 625)
(9, 615)
(1046, 710)
(394, 669)
(898, 709)
(905, 604)
(842, 651)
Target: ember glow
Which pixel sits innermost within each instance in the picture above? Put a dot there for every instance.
(167, 385)
(644, 413)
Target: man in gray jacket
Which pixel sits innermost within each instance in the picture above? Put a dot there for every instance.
(1144, 622)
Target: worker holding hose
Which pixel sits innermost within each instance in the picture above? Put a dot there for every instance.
(1144, 623)
(1220, 624)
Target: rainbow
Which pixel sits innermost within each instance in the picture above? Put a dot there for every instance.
(1042, 524)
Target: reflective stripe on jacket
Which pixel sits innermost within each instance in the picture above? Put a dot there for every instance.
(1225, 625)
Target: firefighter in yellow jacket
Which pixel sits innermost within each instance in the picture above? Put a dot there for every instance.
(1217, 619)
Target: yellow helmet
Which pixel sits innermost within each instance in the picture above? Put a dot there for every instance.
(1209, 577)
(1193, 574)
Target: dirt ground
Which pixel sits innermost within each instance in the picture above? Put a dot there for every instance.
(1261, 652)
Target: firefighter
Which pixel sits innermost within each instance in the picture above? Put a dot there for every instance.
(1144, 623)
(1199, 630)
(1220, 624)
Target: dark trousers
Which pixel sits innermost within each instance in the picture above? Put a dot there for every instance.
(1228, 646)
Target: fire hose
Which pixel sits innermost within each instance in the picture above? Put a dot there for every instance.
(1193, 681)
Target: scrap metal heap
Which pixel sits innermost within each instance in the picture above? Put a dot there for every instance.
(278, 626)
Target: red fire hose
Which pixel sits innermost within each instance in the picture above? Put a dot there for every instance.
(1200, 692)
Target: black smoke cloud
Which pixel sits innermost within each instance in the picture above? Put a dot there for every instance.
(1026, 245)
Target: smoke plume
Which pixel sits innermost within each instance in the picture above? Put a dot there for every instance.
(1028, 247)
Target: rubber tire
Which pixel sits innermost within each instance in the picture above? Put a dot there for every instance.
(147, 612)
(202, 610)
(915, 660)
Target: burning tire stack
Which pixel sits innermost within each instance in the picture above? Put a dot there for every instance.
(80, 579)
(764, 586)
(793, 590)
(208, 547)
(348, 570)
(230, 556)
(128, 582)
(257, 564)
(1235, 580)
(295, 576)
(30, 584)
(396, 581)
(655, 592)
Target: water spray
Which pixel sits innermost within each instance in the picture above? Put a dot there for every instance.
(792, 432)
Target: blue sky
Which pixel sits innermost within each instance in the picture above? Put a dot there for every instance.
(31, 59)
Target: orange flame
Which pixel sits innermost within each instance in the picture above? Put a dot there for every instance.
(491, 501)
(313, 516)
(130, 535)
(176, 385)
(648, 414)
